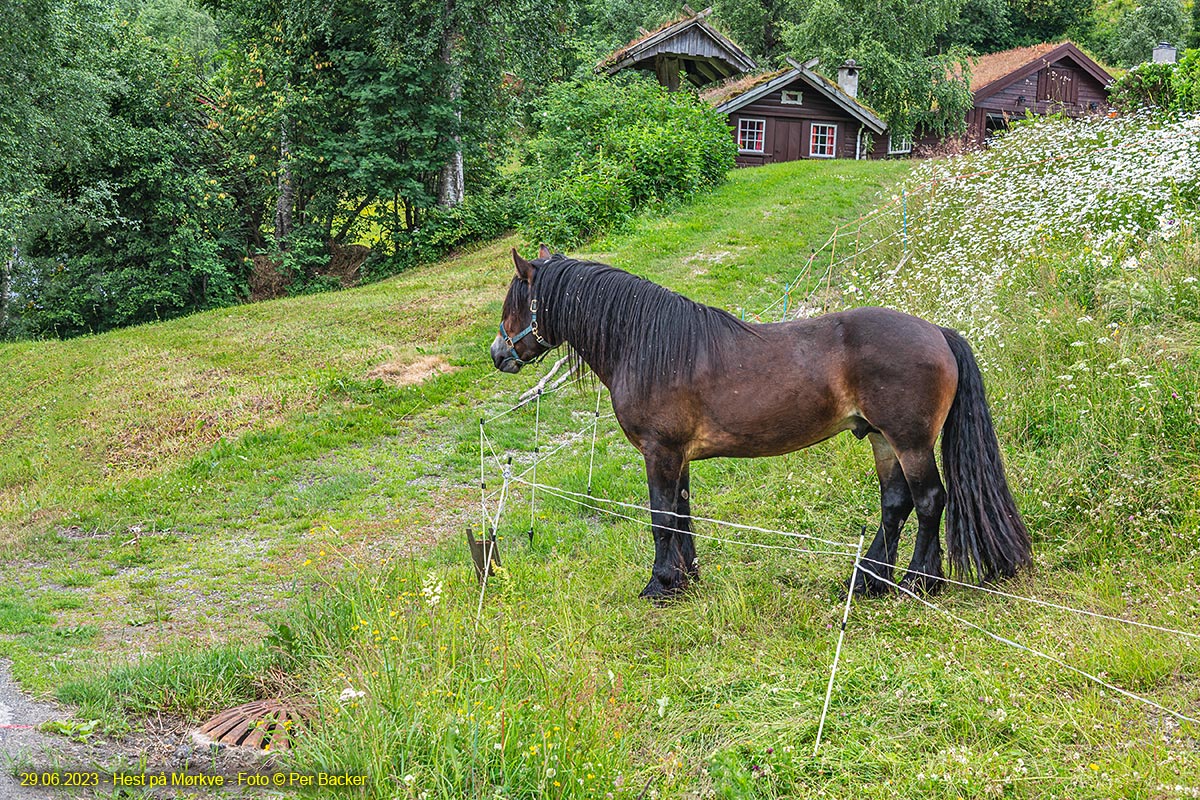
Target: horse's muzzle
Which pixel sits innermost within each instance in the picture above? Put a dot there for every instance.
(502, 359)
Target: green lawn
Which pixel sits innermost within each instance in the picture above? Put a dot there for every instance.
(173, 494)
(152, 476)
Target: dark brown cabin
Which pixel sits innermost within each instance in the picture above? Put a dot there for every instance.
(1045, 78)
(795, 113)
(687, 46)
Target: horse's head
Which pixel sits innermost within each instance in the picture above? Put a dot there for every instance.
(519, 342)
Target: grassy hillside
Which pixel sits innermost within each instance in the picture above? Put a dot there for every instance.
(162, 483)
(307, 515)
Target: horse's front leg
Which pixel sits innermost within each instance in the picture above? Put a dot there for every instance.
(674, 552)
(684, 509)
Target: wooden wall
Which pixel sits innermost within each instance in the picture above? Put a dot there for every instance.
(789, 127)
(1041, 92)
(694, 42)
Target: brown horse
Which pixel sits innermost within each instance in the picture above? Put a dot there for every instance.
(690, 382)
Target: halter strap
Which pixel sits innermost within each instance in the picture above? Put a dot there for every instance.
(511, 341)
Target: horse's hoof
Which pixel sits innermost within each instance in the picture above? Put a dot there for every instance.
(922, 584)
(659, 593)
(868, 587)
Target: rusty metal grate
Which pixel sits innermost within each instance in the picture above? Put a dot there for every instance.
(260, 725)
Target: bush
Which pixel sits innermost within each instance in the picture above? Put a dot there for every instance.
(607, 149)
(486, 212)
(1166, 86)
(1148, 85)
(1185, 82)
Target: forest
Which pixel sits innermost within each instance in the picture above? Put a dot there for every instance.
(159, 157)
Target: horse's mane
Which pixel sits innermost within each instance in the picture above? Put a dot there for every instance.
(611, 316)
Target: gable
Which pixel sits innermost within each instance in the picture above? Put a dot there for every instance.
(766, 91)
(706, 52)
(994, 73)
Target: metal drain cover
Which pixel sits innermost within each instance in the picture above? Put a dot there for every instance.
(261, 725)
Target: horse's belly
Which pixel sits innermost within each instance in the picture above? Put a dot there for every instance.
(770, 436)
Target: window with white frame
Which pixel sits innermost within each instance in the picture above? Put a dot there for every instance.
(899, 146)
(790, 98)
(752, 134)
(822, 142)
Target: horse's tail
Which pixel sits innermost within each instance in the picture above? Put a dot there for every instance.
(984, 530)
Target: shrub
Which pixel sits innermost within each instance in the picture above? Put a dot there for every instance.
(1185, 82)
(1167, 86)
(1147, 85)
(606, 149)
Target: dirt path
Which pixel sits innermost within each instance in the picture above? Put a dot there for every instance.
(158, 746)
(20, 741)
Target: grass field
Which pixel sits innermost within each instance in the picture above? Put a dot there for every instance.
(271, 499)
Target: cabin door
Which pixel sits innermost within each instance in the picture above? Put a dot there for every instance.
(789, 135)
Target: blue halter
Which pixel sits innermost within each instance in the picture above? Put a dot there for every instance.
(511, 341)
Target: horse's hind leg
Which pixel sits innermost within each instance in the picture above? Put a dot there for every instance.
(929, 496)
(896, 503)
(674, 552)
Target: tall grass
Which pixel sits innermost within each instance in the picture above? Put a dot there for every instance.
(1079, 293)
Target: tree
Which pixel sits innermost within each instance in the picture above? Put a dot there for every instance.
(758, 26)
(1037, 21)
(47, 48)
(903, 76)
(985, 26)
(355, 107)
(132, 223)
(188, 32)
(1153, 21)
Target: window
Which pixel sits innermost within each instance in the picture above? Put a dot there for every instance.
(792, 98)
(899, 146)
(1058, 85)
(823, 141)
(751, 135)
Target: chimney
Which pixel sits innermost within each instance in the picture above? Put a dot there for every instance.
(848, 77)
(1164, 53)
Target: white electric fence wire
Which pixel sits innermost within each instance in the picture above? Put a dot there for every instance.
(735, 525)
(837, 652)
(482, 477)
(555, 492)
(859, 567)
(557, 386)
(564, 493)
(986, 589)
(537, 425)
(595, 425)
(503, 495)
(490, 547)
(572, 438)
(824, 274)
(495, 457)
(1044, 603)
(1032, 650)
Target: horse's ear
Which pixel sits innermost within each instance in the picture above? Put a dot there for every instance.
(543, 252)
(524, 268)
